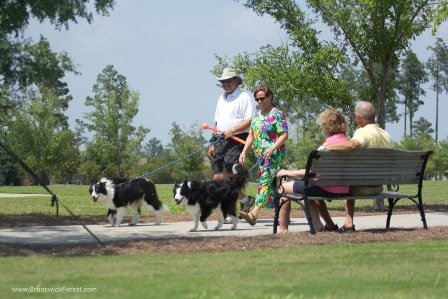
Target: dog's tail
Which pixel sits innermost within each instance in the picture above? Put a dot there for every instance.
(240, 176)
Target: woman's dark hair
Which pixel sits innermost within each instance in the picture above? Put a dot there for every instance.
(267, 92)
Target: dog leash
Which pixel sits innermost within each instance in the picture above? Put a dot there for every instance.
(54, 198)
(258, 162)
(214, 140)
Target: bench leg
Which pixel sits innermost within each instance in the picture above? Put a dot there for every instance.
(389, 213)
(306, 208)
(422, 212)
(277, 206)
(274, 228)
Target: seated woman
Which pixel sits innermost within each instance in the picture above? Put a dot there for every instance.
(334, 125)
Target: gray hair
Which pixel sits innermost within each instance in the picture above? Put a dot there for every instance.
(365, 110)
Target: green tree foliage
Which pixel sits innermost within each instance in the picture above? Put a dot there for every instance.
(24, 62)
(301, 143)
(64, 156)
(292, 75)
(439, 14)
(412, 76)
(48, 142)
(90, 165)
(158, 169)
(153, 148)
(438, 70)
(442, 157)
(360, 88)
(184, 157)
(185, 142)
(423, 129)
(421, 140)
(370, 33)
(116, 142)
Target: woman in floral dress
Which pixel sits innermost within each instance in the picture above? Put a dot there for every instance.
(268, 133)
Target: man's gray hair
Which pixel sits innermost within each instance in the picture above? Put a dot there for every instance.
(365, 110)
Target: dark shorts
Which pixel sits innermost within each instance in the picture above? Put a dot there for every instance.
(227, 154)
(315, 191)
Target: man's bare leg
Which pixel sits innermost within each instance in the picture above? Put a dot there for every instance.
(350, 212)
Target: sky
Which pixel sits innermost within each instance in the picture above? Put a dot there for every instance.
(166, 50)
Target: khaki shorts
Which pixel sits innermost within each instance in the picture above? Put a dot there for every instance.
(365, 190)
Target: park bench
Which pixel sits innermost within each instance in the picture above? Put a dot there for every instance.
(369, 166)
(77, 179)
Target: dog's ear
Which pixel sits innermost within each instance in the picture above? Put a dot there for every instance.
(185, 183)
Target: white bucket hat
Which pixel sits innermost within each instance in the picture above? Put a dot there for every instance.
(228, 73)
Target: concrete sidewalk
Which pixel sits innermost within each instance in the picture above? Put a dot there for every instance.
(72, 234)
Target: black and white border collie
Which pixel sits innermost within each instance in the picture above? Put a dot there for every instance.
(201, 197)
(117, 194)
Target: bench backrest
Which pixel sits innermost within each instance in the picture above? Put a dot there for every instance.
(370, 166)
(77, 178)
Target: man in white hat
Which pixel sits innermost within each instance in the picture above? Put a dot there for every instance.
(233, 115)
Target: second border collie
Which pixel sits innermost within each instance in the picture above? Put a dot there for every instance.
(201, 197)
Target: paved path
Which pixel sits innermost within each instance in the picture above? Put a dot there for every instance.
(71, 234)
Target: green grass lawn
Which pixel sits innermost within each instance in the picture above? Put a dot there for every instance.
(376, 270)
(379, 270)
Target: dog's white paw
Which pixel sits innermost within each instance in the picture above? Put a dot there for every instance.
(193, 230)
(217, 227)
(204, 224)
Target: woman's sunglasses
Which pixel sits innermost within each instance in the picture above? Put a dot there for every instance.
(260, 99)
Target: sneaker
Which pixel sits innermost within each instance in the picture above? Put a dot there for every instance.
(245, 207)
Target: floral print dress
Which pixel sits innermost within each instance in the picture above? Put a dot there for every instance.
(266, 129)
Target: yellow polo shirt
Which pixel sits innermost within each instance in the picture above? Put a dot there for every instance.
(372, 135)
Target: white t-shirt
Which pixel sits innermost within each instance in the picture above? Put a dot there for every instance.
(233, 109)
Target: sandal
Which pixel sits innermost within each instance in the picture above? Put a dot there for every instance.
(345, 229)
(335, 228)
(249, 218)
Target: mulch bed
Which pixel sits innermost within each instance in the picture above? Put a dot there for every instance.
(222, 244)
(212, 244)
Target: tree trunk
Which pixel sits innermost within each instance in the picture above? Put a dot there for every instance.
(437, 102)
(405, 116)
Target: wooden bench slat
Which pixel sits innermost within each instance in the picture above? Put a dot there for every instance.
(361, 181)
(365, 165)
